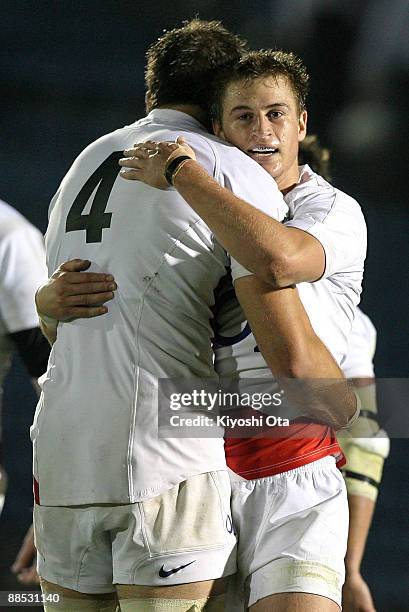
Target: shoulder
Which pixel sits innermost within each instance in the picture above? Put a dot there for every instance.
(347, 202)
(320, 202)
(10, 219)
(314, 190)
(13, 225)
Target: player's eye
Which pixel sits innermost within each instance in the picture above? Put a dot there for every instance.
(275, 114)
(244, 117)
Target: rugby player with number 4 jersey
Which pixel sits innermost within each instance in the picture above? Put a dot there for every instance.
(289, 499)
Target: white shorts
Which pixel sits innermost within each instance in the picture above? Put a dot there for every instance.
(183, 535)
(293, 531)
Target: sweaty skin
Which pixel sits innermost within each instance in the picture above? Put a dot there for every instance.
(263, 120)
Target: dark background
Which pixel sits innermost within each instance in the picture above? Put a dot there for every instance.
(72, 71)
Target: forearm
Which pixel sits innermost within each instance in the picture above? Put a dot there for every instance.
(292, 350)
(49, 331)
(361, 511)
(260, 243)
(323, 393)
(279, 255)
(48, 324)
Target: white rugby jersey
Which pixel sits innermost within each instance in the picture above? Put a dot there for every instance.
(337, 221)
(95, 430)
(361, 348)
(22, 270)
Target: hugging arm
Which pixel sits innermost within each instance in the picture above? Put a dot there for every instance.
(279, 255)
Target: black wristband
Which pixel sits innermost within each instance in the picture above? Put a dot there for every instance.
(172, 166)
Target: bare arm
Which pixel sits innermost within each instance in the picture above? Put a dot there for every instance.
(24, 566)
(356, 594)
(292, 349)
(361, 511)
(279, 255)
(49, 331)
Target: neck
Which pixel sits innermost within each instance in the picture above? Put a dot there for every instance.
(289, 181)
(190, 109)
(285, 190)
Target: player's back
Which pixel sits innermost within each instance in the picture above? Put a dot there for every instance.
(101, 385)
(161, 254)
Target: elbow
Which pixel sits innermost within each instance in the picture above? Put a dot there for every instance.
(280, 272)
(297, 367)
(349, 409)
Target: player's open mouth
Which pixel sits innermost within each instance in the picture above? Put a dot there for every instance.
(262, 151)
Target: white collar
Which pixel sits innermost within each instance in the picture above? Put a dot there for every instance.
(175, 118)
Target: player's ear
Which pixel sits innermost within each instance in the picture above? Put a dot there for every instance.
(302, 125)
(148, 101)
(217, 129)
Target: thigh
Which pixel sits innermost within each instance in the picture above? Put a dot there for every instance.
(300, 541)
(73, 550)
(187, 532)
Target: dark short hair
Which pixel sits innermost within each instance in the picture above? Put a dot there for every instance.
(264, 63)
(182, 64)
(311, 152)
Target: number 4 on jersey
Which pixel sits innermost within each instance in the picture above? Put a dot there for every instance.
(97, 219)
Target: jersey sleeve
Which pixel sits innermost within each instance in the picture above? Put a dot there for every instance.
(358, 362)
(336, 220)
(22, 270)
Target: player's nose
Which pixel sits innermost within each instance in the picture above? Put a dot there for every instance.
(262, 126)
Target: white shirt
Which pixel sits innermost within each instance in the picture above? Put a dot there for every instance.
(337, 221)
(22, 270)
(361, 348)
(95, 429)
